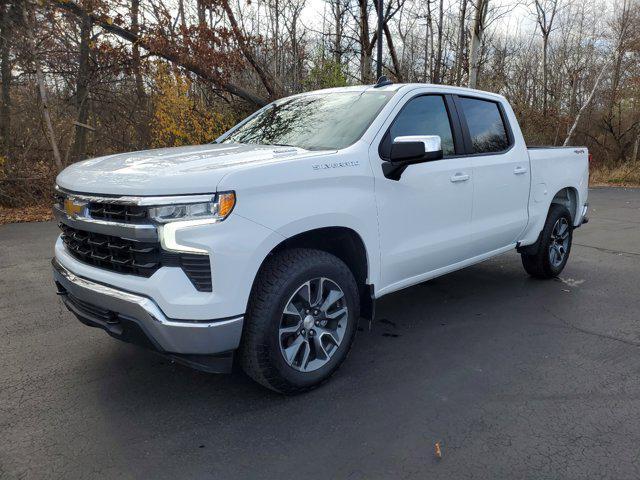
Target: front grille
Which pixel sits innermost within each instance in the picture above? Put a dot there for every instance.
(112, 253)
(134, 258)
(112, 212)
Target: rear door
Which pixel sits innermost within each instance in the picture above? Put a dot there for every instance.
(424, 217)
(500, 173)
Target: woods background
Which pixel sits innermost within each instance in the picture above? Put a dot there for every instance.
(82, 78)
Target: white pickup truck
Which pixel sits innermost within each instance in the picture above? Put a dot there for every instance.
(269, 244)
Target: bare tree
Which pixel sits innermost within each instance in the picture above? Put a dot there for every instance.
(477, 32)
(585, 105)
(546, 12)
(6, 12)
(81, 98)
(462, 35)
(135, 49)
(437, 69)
(27, 24)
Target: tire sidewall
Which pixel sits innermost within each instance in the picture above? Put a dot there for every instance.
(557, 212)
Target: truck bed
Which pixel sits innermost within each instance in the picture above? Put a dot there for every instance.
(551, 169)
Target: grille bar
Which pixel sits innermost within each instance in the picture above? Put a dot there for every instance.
(117, 213)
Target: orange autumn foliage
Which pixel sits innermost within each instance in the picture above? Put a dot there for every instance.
(178, 117)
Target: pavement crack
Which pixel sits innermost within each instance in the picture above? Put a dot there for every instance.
(607, 250)
(591, 332)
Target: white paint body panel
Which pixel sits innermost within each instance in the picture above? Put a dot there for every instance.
(501, 185)
(413, 229)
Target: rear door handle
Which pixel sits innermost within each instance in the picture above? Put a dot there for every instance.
(460, 177)
(519, 170)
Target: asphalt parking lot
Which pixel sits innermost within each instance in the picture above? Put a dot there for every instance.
(516, 378)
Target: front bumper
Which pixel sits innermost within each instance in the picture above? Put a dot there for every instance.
(137, 319)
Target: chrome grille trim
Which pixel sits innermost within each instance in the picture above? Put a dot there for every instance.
(130, 231)
(138, 200)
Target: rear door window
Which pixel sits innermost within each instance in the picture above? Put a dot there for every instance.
(486, 126)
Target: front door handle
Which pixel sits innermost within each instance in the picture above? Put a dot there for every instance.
(519, 170)
(460, 177)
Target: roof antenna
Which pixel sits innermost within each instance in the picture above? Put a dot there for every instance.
(383, 81)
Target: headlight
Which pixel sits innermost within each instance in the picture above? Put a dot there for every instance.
(216, 210)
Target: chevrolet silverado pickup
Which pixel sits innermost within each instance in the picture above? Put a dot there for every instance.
(265, 247)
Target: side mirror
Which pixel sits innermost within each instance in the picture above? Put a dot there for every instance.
(411, 149)
(416, 148)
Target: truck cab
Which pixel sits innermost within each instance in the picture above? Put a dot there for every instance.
(266, 246)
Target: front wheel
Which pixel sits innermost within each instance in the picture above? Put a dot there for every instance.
(301, 320)
(554, 246)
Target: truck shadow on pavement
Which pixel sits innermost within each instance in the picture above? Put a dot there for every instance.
(423, 325)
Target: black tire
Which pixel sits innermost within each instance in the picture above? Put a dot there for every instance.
(538, 264)
(280, 277)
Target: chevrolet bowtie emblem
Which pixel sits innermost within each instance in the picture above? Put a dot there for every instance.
(73, 208)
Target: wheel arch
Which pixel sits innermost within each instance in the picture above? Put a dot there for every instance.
(567, 196)
(342, 242)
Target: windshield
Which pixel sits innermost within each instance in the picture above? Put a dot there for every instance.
(314, 122)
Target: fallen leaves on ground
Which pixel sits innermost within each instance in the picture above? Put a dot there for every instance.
(35, 213)
(438, 450)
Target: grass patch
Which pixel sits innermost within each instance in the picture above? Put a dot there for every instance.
(627, 175)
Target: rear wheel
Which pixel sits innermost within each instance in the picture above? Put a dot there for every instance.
(554, 246)
(301, 320)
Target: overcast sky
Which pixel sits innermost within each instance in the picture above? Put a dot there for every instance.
(515, 13)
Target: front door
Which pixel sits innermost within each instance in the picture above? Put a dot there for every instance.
(424, 217)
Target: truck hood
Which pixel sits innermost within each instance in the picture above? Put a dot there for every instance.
(167, 171)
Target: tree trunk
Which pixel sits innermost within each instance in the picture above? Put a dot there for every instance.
(202, 13)
(437, 75)
(181, 17)
(428, 48)
(79, 149)
(246, 51)
(393, 53)
(477, 32)
(31, 45)
(545, 50)
(390, 46)
(365, 45)
(545, 21)
(5, 68)
(615, 76)
(461, 41)
(142, 127)
(337, 40)
(135, 50)
(584, 107)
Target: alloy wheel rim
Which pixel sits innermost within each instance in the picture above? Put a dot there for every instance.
(559, 242)
(313, 324)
